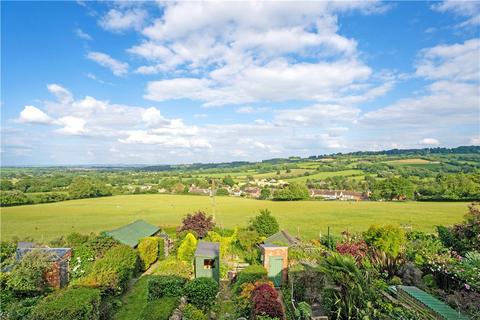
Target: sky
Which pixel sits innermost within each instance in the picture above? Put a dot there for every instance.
(187, 82)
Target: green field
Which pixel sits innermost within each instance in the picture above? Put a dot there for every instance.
(323, 175)
(46, 221)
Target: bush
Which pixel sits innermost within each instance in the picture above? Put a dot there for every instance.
(161, 249)
(148, 251)
(172, 266)
(193, 313)
(72, 304)
(81, 262)
(249, 275)
(198, 222)
(265, 224)
(201, 292)
(222, 192)
(165, 286)
(27, 277)
(101, 244)
(159, 309)
(187, 248)
(265, 302)
(388, 239)
(113, 271)
(303, 311)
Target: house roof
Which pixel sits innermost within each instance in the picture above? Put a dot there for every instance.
(208, 249)
(131, 233)
(281, 237)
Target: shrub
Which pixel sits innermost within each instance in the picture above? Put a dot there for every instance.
(222, 192)
(201, 292)
(81, 262)
(187, 248)
(27, 277)
(265, 224)
(265, 194)
(357, 249)
(198, 222)
(159, 309)
(101, 244)
(113, 271)
(389, 239)
(20, 309)
(161, 249)
(7, 253)
(72, 304)
(303, 311)
(265, 302)
(75, 239)
(193, 313)
(148, 251)
(172, 266)
(244, 298)
(250, 274)
(165, 286)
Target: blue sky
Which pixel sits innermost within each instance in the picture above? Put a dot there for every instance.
(148, 82)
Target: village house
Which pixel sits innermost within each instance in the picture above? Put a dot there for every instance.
(252, 192)
(197, 190)
(337, 194)
(57, 275)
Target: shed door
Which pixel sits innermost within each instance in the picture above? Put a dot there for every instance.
(275, 270)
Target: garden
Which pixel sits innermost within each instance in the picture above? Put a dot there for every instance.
(346, 276)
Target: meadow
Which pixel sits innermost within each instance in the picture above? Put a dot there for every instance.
(44, 222)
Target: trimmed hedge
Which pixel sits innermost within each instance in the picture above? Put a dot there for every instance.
(165, 286)
(72, 304)
(113, 271)
(161, 249)
(160, 309)
(148, 251)
(250, 274)
(193, 313)
(201, 292)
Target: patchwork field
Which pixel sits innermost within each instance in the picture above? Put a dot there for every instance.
(47, 221)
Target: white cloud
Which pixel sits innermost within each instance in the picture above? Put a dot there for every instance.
(72, 126)
(463, 8)
(246, 109)
(475, 140)
(82, 34)
(429, 142)
(117, 67)
(316, 115)
(31, 114)
(62, 94)
(117, 20)
(153, 118)
(453, 62)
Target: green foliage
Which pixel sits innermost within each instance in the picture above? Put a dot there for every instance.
(159, 309)
(101, 243)
(429, 281)
(193, 313)
(161, 249)
(72, 304)
(75, 239)
(222, 192)
(226, 242)
(265, 194)
(201, 292)
(264, 223)
(7, 253)
(228, 180)
(355, 293)
(13, 198)
(87, 187)
(148, 251)
(393, 189)
(248, 241)
(165, 286)
(294, 191)
(27, 277)
(388, 238)
(112, 272)
(303, 311)
(187, 248)
(250, 274)
(82, 259)
(426, 250)
(198, 222)
(172, 266)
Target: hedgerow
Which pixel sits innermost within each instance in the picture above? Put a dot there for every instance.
(165, 286)
(148, 251)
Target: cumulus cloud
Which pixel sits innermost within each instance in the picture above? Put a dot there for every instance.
(466, 9)
(82, 34)
(120, 20)
(31, 114)
(117, 67)
(429, 142)
(72, 126)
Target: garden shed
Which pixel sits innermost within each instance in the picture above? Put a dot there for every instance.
(275, 260)
(282, 237)
(131, 234)
(207, 260)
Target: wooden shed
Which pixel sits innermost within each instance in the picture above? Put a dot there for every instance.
(275, 260)
(207, 260)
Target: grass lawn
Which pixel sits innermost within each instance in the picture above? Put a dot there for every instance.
(134, 301)
(44, 222)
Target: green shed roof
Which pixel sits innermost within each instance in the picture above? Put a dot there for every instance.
(281, 237)
(131, 233)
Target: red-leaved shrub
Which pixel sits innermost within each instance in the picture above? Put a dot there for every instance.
(265, 301)
(198, 222)
(357, 249)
